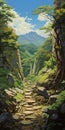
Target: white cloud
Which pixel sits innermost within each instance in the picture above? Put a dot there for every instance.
(43, 17)
(48, 20)
(42, 33)
(21, 25)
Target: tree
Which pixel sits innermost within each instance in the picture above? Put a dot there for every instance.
(7, 34)
(58, 35)
(59, 40)
(5, 14)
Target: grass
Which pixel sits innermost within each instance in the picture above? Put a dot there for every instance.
(18, 96)
(44, 77)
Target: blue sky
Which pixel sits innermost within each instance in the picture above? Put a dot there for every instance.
(24, 8)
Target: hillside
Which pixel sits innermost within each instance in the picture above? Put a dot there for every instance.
(31, 38)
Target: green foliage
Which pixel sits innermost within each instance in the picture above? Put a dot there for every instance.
(47, 28)
(47, 71)
(43, 53)
(43, 9)
(4, 81)
(27, 60)
(18, 96)
(5, 13)
(44, 76)
(31, 48)
(27, 57)
(63, 84)
(3, 78)
(50, 63)
(31, 77)
(3, 71)
(8, 37)
(7, 34)
(59, 13)
(17, 82)
(59, 101)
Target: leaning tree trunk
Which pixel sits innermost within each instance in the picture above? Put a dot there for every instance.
(59, 44)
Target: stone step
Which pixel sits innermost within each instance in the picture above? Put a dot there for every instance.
(29, 109)
(23, 104)
(28, 93)
(26, 122)
(30, 101)
(28, 106)
(28, 90)
(31, 117)
(37, 107)
(28, 96)
(35, 104)
(28, 112)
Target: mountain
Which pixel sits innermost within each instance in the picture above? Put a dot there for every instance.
(31, 38)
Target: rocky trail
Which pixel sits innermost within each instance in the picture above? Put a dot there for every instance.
(24, 107)
(29, 111)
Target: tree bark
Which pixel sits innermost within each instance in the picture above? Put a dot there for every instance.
(59, 45)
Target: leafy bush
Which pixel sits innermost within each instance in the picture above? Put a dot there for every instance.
(50, 63)
(45, 74)
(59, 101)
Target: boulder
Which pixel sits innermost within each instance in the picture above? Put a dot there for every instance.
(42, 91)
(5, 117)
(52, 99)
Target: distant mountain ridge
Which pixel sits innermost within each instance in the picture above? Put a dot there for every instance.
(31, 38)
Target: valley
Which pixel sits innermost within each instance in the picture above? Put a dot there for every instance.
(32, 68)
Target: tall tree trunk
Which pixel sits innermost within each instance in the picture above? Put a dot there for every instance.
(59, 44)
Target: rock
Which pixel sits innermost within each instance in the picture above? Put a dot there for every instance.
(19, 90)
(10, 79)
(30, 117)
(28, 112)
(29, 109)
(5, 117)
(28, 93)
(28, 106)
(63, 108)
(37, 107)
(16, 117)
(28, 96)
(28, 90)
(52, 99)
(12, 90)
(26, 122)
(42, 91)
(54, 116)
(8, 92)
(10, 59)
(30, 101)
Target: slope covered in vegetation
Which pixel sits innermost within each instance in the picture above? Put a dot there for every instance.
(32, 78)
